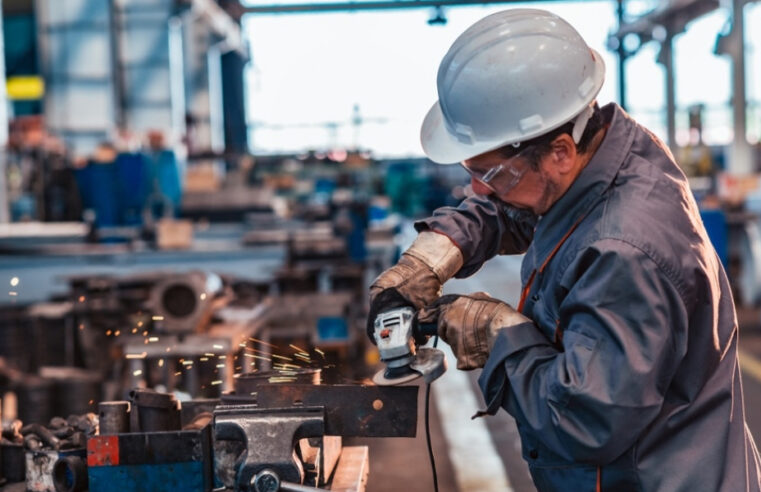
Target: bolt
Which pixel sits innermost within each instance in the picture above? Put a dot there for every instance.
(266, 481)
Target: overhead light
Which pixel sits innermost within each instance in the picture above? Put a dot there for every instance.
(438, 17)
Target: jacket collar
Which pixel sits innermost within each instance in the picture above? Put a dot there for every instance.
(589, 186)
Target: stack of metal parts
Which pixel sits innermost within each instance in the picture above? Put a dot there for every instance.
(148, 443)
(48, 458)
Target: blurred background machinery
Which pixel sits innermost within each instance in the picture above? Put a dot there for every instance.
(186, 246)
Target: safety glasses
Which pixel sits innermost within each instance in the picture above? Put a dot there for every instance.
(498, 173)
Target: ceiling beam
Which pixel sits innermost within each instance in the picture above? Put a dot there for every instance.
(364, 5)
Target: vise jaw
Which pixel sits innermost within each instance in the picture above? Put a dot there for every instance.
(270, 436)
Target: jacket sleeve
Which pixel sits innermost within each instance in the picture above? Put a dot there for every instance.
(624, 330)
(482, 228)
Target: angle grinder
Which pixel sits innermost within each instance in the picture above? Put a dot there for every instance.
(398, 336)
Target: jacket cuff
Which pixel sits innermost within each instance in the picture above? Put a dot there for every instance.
(493, 379)
(455, 234)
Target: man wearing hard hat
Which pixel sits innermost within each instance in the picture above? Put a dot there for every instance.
(619, 364)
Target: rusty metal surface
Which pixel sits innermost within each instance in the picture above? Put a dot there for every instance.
(350, 410)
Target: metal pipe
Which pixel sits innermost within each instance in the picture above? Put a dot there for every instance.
(622, 55)
(741, 157)
(666, 58)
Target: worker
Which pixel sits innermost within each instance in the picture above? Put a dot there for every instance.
(619, 365)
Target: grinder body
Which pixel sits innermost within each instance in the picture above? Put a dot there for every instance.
(398, 336)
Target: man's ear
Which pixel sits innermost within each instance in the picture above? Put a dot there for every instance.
(564, 153)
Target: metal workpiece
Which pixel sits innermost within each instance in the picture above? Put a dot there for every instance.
(350, 410)
(270, 436)
(153, 412)
(250, 382)
(113, 417)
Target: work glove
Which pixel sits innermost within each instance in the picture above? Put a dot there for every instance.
(470, 325)
(417, 278)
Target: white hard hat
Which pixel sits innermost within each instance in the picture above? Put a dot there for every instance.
(510, 77)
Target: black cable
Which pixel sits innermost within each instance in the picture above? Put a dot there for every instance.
(428, 429)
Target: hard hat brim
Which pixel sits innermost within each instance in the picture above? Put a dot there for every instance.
(441, 146)
(444, 148)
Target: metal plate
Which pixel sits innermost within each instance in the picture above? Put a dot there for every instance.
(350, 410)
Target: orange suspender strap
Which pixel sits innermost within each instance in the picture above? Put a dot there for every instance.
(524, 295)
(558, 332)
(527, 288)
(599, 479)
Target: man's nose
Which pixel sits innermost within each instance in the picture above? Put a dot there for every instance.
(479, 188)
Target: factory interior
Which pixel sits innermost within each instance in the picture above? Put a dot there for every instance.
(194, 204)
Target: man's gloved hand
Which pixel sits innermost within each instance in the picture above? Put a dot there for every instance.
(470, 324)
(417, 278)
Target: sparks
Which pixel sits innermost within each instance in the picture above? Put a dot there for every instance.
(161, 362)
(218, 347)
(153, 339)
(219, 381)
(305, 358)
(138, 372)
(157, 318)
(142, 355)
(298, 349)
(262, 342)
(282, 357)
(320, 352)
(14, 281)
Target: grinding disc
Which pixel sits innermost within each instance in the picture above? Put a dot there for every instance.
(381, 380)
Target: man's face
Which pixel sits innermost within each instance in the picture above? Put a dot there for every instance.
(535, 189)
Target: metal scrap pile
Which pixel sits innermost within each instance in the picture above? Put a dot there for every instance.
(60, 433)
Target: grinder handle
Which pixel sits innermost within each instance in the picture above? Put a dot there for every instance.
(427, 329)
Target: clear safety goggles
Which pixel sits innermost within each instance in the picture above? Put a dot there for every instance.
(499, 174)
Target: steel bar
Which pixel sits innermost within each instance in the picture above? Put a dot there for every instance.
(350, 410)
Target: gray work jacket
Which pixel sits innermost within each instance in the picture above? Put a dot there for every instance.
(628, 377)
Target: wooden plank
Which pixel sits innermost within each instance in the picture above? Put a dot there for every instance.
(352, 470)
